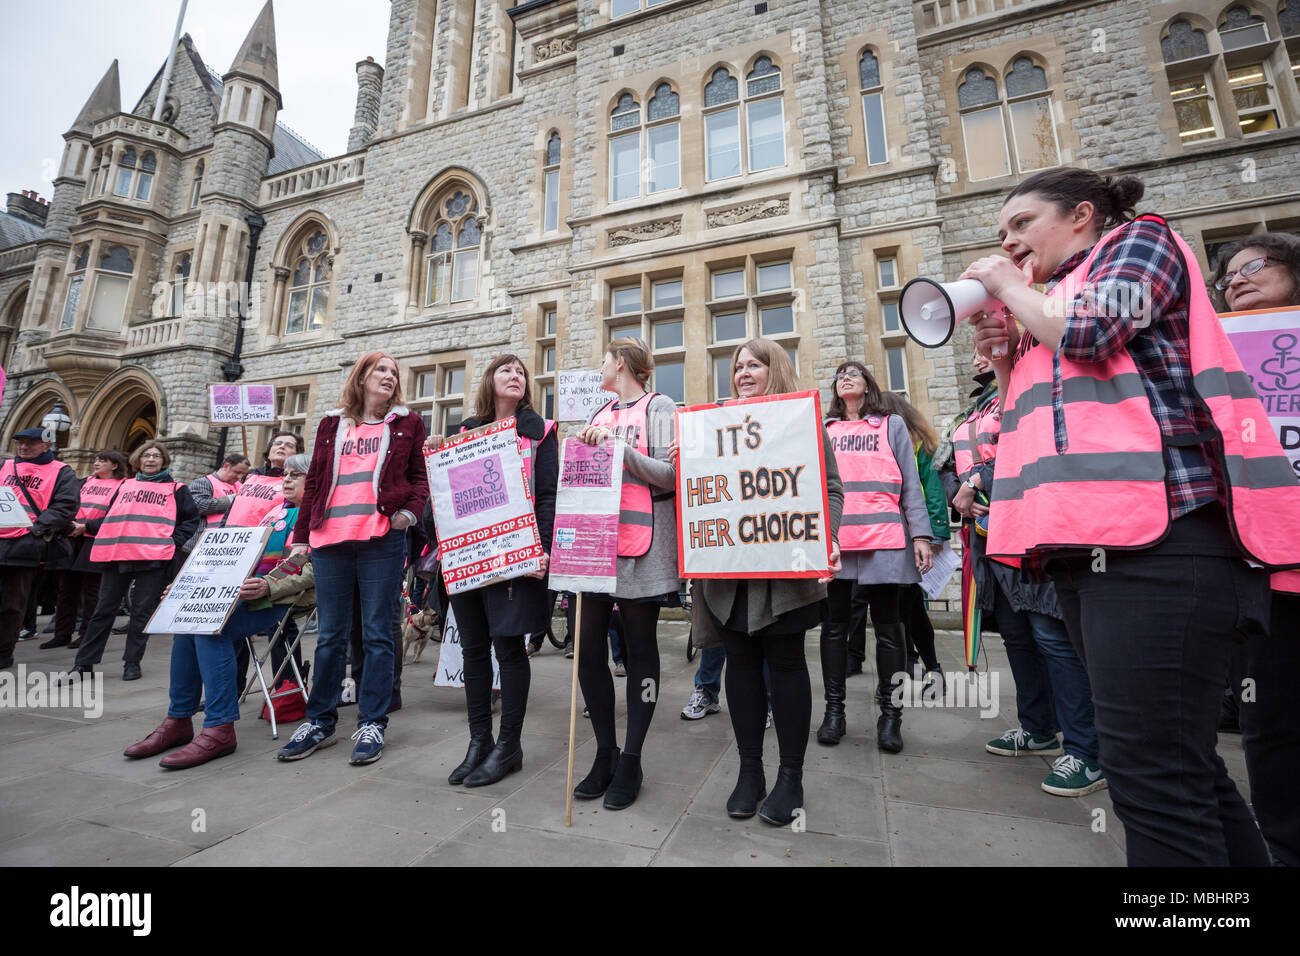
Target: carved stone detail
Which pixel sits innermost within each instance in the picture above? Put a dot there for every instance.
(119, 217)
(645, 231)
(555, 46)
(747, 212)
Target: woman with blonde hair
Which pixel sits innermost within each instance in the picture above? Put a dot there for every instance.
(365, 487)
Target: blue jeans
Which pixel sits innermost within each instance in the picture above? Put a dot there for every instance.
(708, 676)
(374, 569)
(1052, 689)
(207, 662)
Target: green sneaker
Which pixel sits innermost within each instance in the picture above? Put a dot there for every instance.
(1072, 777)
(1018, 743)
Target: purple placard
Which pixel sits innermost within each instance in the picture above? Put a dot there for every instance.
(587, 466)
(478, 486)
(585, 545)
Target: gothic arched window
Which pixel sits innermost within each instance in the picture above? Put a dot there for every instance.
(455, 248)
(309, 283)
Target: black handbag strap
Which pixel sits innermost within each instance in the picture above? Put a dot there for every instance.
(26, 494)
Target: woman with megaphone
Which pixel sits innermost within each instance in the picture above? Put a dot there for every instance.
(1123, 467)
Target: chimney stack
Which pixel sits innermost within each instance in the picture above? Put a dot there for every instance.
(29, 207)
(370, 82)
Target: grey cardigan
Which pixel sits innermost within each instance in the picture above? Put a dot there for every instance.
(769, 598)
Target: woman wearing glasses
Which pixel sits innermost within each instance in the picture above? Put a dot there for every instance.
(1263, 272)
(884, 544)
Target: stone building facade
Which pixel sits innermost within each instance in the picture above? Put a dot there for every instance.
(540, 178)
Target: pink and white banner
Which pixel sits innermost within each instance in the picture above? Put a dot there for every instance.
(584, 555)
(1268, 343)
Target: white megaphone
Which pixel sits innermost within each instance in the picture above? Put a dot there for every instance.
(930, 310)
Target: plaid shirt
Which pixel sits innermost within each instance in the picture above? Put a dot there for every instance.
(1137, 300)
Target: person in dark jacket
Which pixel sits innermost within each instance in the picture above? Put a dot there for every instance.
(47, 491)
(151, 571)
(499, 615)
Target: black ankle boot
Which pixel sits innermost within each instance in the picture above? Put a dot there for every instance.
(891, 659)
(889, 730)
(786, 798)
(834, 652)
(626, 783)
(751, 787)
(479, 748)
(833, 724)
(505, 758)
(602, 772)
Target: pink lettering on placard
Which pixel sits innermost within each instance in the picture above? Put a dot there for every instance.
(478, 486)
(587, 466)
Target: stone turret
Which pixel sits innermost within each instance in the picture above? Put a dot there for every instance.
(370, 82)
(70, 184)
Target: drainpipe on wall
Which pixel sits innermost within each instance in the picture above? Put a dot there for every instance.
(233, 369)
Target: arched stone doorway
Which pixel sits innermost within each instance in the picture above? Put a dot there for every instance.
(122, 413)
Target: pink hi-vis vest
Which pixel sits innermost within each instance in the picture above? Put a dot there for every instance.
(220, 489)
(873, 485)
(140, 525)
(39, 481)
(256, 496)
(97, 497)
(352, 513)
(636, 506)
(1106, 488)
(977, 436)
(528, 452)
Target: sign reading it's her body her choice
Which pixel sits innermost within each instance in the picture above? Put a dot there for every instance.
(482, 508)
(584, 555)
(751, 489)
(1268, 343)
(206, 591)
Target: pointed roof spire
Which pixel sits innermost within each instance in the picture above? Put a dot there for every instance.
(105, 101)
(256, 58)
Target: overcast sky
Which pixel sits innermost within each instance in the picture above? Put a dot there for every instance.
(57, 50)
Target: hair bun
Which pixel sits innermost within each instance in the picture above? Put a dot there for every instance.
(1125, 192)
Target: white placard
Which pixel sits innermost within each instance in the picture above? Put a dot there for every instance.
(451, 659)
(234, 404)
(12, 512)
(946, 561)
(206, 590)
(579, 395)
(751, 492)
(259, 404)
(584, 552)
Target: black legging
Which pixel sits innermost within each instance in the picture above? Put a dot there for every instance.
(516, 675)
(641, 657)
(920, 632)
(886, 620)
(747, 694)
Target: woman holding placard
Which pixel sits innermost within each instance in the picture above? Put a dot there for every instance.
(1131, 463)
(499, 616)
(764, 621)
(1263, 273)
(366, 485)
(645, 422)
(884, 544)
(261, 489)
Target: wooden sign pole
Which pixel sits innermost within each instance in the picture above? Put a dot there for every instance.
(573, 709)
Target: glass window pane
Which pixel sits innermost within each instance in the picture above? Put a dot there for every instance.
(873, 115)
(464, 283)
(1235, 39)
(721, 88)
(469, 234)
(624, 332)
(774, 275)
(793, 353)
(1035, 134)
(627, 299)
(1183, 42)
(621, 7)
(624, 155)
(977, 88)
(722, 144)
(548, 359)
(425, 384)
(766, 135)
(455, 383)
(108, 305)
(117, 259)
(729, 326)
(670, 378)
(663, 104)
(552, 222)
(437, 284)
(143, 185)
(664, 164)
(897, 369)
(178, 296)
(302, 272)
(550, 323)
(296, 320)
(727, 284)
(668, 293)
(427, 416)
(1192, 107)
(320, 298)
(986, 143)
(442, 237)
(889, 312)
(548, 401)
(722, 376)
(123, 187)
(553, 150)
(70, 303)
(868, 71)
(667, 335)
(776, 320)
(300, 402)
(451, 418)
(1026, 77)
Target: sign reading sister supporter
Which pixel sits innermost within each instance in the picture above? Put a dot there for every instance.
(751, 489)
(482, 508)
(584, 556)
(1268, 343)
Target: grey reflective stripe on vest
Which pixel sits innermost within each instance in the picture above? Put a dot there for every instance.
(360, 477)
(132, 539)
(1215, 383)
(1079, 388)
(1273, 471)
(1084, 466)
(338, 511)
(94, 506)
(645, 519)
(892, 517)
(889, 487)
(118, 519)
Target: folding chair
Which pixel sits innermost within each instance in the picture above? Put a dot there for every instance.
(289, 660)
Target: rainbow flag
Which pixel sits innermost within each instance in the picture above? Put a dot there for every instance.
(970, 612)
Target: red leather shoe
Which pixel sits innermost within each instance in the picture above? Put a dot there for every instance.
(212, 743)
(172, 732)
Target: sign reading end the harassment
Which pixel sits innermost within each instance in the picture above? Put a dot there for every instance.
(206, 590)
(751, 489)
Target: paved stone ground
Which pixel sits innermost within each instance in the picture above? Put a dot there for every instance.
(68, 797)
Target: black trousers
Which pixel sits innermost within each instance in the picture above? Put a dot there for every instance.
(1155, 634)
(78, 596)
(113, 585)
(477, 644)
(15, 588)
(747, 693)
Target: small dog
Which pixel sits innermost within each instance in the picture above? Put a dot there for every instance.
(417, 630)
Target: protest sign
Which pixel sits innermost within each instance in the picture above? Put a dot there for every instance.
(1268, 343)
(482, 508)
(231, 404)
(584, 555)
(225, 405)
(450, 670)
(12, 513)
(580, 395)
(206, 591)
(259, 404)
(751, 489)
